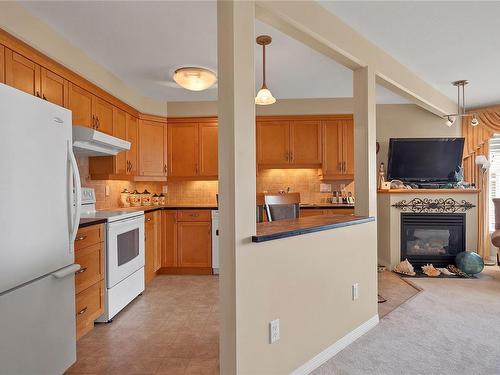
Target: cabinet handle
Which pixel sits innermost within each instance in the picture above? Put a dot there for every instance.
(339, 166)
(93, 122)
(82, 311)
(286, 156)
(148, 219)
(194, 215)
(81, 270)
(98, 123)
(43, 96)
(343, 167)
(37, 94)
(164, 168)
(81, 238)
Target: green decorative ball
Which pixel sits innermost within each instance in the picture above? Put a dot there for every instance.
(469, 262)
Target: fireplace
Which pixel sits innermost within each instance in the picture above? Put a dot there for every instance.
(432, 238)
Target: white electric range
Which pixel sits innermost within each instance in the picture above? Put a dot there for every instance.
(124, 254)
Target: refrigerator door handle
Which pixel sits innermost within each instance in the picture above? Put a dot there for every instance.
(66, 271)
(75, 222)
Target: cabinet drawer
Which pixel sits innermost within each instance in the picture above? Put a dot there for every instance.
(150, 217)
(89, 236)
(91, 260)
(89, 305)
(194, 215)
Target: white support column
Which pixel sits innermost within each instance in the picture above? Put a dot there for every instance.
(237, 169)
(365, 158)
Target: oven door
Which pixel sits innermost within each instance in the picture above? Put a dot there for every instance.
(125, 252)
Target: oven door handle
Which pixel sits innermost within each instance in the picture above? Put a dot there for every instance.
(138, 219)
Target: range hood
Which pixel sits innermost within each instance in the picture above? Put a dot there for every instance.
(90, 142)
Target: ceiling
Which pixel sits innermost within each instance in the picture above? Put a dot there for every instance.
(440, 41)
(143, 42)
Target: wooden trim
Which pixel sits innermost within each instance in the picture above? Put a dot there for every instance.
(39, 58)
(185, 271)
(205, 120)
(2, 64)
(429, 191)
(305, 117)
(149, 178)
(144, 116)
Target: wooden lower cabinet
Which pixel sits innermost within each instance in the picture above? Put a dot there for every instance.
(332, 211)
(152, 233)
(187, 242)
(89, 280)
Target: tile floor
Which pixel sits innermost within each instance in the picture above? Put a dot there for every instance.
(395, 290)
(173, 328)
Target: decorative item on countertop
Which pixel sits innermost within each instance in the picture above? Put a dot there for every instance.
(146, 198)
(155, 199)
(381, 176)
(457, 271)
(350, 198)
(162, 199)
(125, 198)
(397, 184)
(405, 268)
(469, 262)
(445, 271)
(135, 199)
(429, 270)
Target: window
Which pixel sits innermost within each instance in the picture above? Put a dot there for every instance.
(494, 177)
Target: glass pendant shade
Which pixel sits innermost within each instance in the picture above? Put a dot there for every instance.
(264, 97)
(195, 79)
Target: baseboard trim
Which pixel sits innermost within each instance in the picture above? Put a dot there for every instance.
(332, 350)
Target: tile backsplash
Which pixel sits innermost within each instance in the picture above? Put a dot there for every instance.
(304, 181)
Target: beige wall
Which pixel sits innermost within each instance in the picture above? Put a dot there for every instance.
(16, 20)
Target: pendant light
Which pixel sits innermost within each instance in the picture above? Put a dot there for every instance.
(450, 119)
(194, 78)
(264, 96)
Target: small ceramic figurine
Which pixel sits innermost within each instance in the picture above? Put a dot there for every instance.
(381, 176)
(125, 198)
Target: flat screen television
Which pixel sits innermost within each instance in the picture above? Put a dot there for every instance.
(431, 160)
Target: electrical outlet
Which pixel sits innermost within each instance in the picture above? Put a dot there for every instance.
(274, 331)
(325, 188)
(355, 291)
(108, 190)
(164, 189)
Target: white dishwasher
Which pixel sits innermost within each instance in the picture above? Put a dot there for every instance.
(215, 242)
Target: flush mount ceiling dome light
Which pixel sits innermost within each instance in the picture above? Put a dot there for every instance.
(264, 96)
(450, 119)
(194, 78)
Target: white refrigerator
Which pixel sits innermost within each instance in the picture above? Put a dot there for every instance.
(39, 216)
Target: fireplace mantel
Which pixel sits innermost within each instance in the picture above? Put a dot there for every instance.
(390, 207)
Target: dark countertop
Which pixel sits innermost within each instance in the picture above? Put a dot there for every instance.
(295, 227)
(325, 205)
(89, 222)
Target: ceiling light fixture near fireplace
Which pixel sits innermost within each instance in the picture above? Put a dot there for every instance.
(450, 119)
(194, 78)
(264, 96)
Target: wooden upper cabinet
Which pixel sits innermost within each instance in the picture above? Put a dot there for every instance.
(208, 150)
(133, 138)
(273, 142)
(152, 148)
(80, 104)
(54, 88)
(194, 244)
(2, 64)
(183, 149)
(22, 73)
(120, 131)
(338, 146)
(103, 112)
(305, 140)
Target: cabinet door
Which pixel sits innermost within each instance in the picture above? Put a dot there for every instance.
(332, 146)
(22, 73)
(348, 147)
(183, 150)
(169, 239)
(194, 244)
(133, 138)
(80, 104)
(54, 87)
(208, 150)
(120, 131)
(273, 142)
(151, 148)
(2, 64)
(103, 112)
(305, 138)
(150, 244)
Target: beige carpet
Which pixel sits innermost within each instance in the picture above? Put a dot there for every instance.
(452, 327)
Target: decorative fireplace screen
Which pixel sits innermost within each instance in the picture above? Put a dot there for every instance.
(432, 238)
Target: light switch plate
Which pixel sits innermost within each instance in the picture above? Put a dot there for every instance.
(355, 291)
(274, 331)
(325, 188)
(164, 189)
(108, 190)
